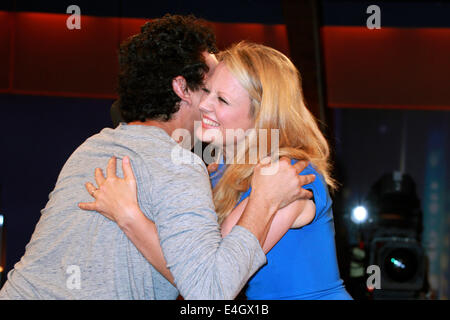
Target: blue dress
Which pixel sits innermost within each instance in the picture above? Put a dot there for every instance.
(303, 264)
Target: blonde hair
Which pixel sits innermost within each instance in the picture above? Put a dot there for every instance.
(274, 86)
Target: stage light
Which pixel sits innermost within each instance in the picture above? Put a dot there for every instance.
(1, 220)
(359, 214)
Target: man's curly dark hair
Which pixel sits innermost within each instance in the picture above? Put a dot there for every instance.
(166, 48)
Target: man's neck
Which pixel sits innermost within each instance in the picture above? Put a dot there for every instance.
(167, 126)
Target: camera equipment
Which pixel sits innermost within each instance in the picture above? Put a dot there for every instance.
(394, 238)
(402, 264)
(389, 226)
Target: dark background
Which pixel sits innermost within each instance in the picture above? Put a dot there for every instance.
(57, 86)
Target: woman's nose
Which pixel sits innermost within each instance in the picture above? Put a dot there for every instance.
(206, 104)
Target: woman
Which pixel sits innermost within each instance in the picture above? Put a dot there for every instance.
(254, 92)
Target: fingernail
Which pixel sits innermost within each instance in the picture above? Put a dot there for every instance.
(125, 159)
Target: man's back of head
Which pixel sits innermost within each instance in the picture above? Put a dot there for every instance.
(149, 61)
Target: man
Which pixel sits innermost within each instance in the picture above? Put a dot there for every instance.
(74, 254)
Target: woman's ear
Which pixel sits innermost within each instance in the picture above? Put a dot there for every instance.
(180, 88)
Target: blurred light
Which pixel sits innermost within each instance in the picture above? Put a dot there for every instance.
(359, 214)
(402, 265)
(1, 220)
(397, 263)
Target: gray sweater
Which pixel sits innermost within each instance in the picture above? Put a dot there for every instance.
(76, 254)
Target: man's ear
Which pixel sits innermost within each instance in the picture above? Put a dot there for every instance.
(180, 88)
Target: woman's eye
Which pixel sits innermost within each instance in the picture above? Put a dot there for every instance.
(205, 90)
(223, 100)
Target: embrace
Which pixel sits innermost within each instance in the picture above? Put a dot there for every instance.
(154, 228)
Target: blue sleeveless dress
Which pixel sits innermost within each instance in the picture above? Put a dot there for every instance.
(303, 264)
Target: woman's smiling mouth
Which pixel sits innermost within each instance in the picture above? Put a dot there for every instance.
(209, 123)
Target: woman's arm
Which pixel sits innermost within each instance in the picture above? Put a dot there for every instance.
(284, 219)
